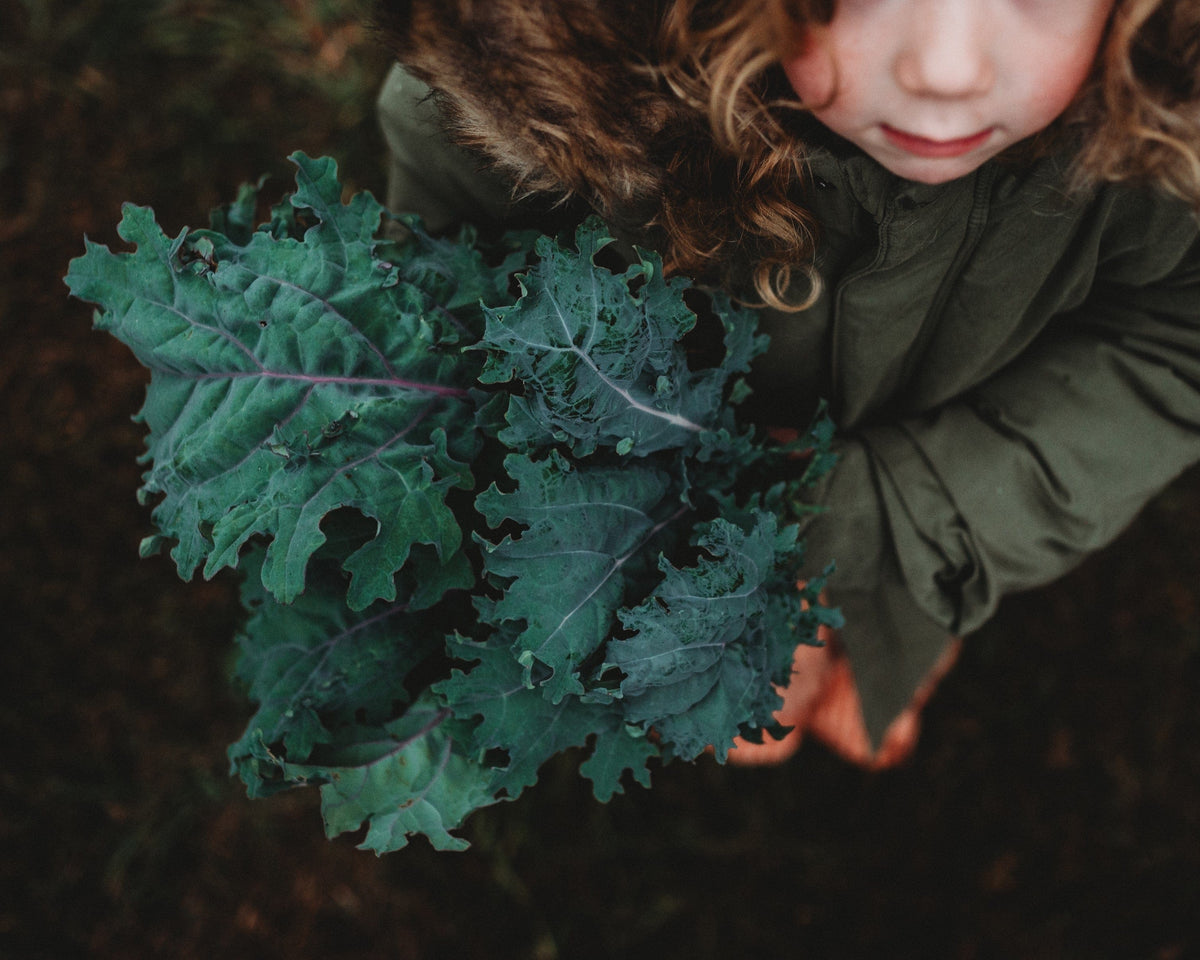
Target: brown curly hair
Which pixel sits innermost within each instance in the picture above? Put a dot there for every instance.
(673, 119)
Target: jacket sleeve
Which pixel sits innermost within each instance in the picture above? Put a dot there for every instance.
(428, 175)
(933, 519)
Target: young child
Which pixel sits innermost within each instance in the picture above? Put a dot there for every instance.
(970, 225)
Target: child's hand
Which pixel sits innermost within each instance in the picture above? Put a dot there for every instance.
(812, 672)
(823, 701)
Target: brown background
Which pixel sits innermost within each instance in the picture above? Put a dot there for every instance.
(1053, 809)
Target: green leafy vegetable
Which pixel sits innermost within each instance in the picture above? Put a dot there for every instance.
(487, 505)
(565, 571)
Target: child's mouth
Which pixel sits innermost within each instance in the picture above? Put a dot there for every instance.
(935, 149)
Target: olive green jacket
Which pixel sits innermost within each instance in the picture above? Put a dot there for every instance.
(1014, 371)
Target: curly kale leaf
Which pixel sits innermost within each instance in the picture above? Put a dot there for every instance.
(291, 378)
(599, 359)
(566, 573)
(528, 729)
(706, 646)
(401, 778)
(315, 666)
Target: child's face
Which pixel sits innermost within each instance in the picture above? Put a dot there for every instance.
(933, 88)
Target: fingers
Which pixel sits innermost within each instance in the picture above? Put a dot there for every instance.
(811, 670)
(823, 702)
(769, 753)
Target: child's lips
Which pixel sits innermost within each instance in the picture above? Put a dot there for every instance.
(935, 149)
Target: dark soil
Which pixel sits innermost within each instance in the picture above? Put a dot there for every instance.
(1052, 811)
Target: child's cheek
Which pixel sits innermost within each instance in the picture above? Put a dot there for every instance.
(1055, 89)
(811, 70)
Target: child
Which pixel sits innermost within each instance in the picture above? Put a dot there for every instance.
(970, 226)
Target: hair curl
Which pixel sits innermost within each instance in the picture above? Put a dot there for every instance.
(673, 119)
(1140, 115)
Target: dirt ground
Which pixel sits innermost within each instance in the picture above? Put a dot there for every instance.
(1052, 810)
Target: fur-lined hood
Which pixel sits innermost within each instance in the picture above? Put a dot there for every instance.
(559, 94)
(608, 101)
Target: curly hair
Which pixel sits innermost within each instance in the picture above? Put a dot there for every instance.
(674, 120)
(1140, 115)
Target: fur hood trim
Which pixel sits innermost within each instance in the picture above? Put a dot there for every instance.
(560, 95)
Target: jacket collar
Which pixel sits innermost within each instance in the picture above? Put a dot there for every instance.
(843, 166)
(836, 162)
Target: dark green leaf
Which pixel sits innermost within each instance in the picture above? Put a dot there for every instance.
(529, 729)
(598, 355)
(706, 646)
(564, 575)
(315, 666)
(401, 779)
(328, 378)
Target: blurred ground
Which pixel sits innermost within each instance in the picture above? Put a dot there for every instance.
(1053, 810)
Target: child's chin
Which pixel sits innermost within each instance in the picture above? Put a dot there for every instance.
(932, 172)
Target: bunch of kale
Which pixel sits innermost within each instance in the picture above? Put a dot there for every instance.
(486, 509)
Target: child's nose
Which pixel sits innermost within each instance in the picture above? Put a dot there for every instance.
(946, 52)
